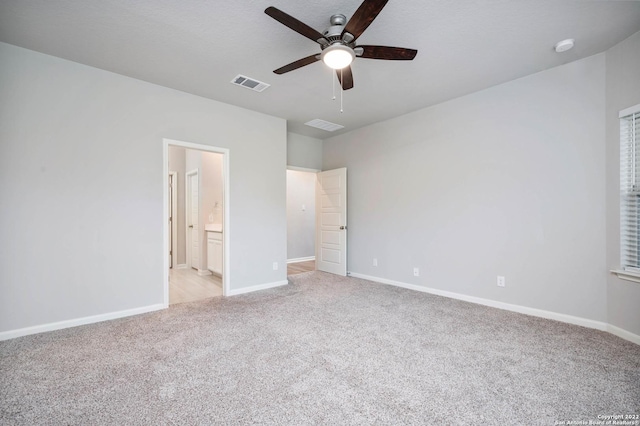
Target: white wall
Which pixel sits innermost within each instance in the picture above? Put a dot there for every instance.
(304, 151)
(301, 214)
(507, 181)
(212, 187)
(623, 91)
(211, 197)
(81, 167)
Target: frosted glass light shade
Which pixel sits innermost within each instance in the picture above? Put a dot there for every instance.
(338, 56)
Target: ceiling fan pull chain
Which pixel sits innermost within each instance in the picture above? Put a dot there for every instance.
(333, 83)
(341, 90)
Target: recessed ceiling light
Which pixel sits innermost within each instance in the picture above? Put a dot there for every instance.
(564, 45)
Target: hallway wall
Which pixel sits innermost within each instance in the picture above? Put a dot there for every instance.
(301, 214)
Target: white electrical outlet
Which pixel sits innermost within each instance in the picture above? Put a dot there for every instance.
(501, 281)
(416, 272)
(275, 266)
(375, 262)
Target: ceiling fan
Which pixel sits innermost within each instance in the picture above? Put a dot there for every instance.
(338, 42)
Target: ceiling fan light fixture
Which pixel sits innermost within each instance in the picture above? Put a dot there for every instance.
(338, 56)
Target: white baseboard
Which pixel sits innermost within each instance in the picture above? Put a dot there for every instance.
(180, 266)
(584, 322)
(598, 325)
(12, 334)
(301, 259)
(624, 334)
(256, 288)
(203, 272)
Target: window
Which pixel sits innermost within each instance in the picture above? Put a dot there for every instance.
(630, 189)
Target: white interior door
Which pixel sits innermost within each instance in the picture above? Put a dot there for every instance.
(171, 220)
(331, 221)
(173, 217)
(192, 219)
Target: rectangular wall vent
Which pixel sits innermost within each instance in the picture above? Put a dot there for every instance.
(249, 83)
(324, 125)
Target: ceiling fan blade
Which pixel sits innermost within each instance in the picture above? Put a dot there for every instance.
(294, 24)
(345, 77)
(363, 17)
(298, 64)
(388, 53)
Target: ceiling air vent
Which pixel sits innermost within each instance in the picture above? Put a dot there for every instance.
(249, 83)
(324, 125)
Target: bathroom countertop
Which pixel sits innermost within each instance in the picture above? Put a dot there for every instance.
(213, 227)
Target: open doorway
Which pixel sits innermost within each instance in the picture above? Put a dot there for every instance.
(301, 220)
(197, 222)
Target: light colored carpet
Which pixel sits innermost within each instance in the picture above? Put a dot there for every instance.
(323, 350)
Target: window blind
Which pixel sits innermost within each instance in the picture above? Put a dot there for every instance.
(630, 189)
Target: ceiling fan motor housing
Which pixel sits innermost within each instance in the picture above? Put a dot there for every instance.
(333, 34)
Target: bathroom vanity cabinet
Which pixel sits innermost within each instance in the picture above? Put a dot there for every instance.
(214, 252)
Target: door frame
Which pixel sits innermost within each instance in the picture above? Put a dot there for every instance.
(174, 216)
(187, 213)
(226, 235)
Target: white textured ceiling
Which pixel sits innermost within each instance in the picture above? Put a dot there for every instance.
(198, 46)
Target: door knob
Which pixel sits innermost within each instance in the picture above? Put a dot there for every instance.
(343, 227)
(190, 226)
